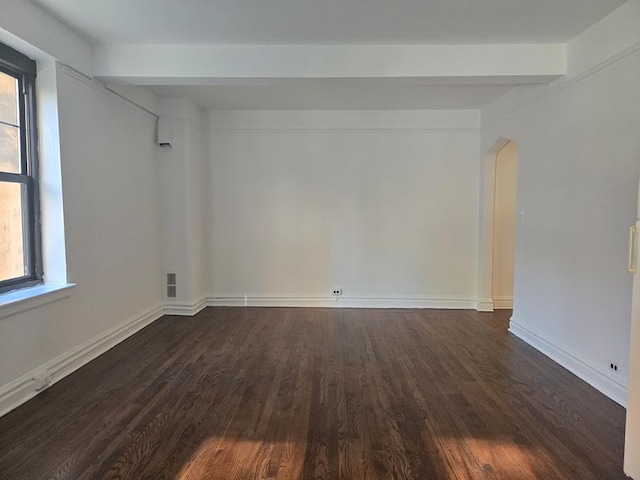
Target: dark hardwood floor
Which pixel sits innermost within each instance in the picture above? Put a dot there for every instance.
(251, 393)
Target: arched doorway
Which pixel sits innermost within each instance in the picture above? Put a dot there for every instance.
(499, 211)
(504, 226)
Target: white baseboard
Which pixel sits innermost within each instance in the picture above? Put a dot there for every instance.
(484, 305)
(503, 303)
(188, 309)
(20, 390)
(450, 302)
(612, 389)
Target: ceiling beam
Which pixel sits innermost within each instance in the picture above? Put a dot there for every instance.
(225, 64)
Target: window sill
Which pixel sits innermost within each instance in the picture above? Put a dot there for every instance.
(17, 301)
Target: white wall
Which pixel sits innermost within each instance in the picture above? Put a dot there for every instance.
(381, 204)
(504, 225)
(110, 191)
(577, 172)
(110, 194)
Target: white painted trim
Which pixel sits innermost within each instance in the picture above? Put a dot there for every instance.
(485, 305)
(445, 302)
(502, 303)
(594, 377)
(389, 129)
(188, 309)
(221, 300)
(18, 301)
(20, 390)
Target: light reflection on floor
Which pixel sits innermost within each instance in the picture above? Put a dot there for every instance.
(464, 458)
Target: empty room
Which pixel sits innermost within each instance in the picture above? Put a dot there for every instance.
(319, 240)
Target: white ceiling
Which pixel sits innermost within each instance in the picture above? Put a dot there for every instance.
(330, 21)
(336, 95)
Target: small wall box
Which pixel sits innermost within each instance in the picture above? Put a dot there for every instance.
(164, 132)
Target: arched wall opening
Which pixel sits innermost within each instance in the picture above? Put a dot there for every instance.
(504, 226)
(499, 210)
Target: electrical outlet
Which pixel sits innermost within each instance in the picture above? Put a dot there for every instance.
(336, 292)
(613, 367)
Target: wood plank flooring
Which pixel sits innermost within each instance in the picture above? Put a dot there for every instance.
(274, 393)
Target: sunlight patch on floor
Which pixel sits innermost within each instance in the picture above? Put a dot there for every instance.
(505, 457)
(228, 458)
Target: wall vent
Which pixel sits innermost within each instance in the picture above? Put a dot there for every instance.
(171, 285)
(164, 132)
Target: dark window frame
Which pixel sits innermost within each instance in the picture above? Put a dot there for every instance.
(23, 68)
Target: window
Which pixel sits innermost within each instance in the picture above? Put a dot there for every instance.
(20, 252)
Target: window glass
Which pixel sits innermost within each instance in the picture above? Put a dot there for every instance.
(12, 211)
(8, 99)
(9, 149)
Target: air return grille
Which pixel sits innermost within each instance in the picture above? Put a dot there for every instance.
(171, 285)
